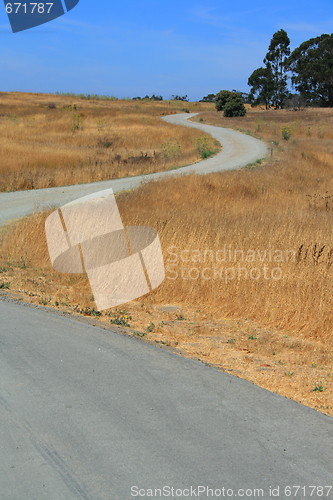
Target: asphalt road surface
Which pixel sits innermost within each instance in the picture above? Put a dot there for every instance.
(87, 414)
(91, 414)
(238, 151)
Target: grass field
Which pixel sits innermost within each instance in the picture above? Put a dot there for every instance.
(248, 254)
(55, 140)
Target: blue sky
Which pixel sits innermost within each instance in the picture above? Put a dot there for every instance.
(133, 47)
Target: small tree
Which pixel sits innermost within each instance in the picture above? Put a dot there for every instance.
(209, 98)
(179, 98)
(312, 67)
(231, 103)
(269, 84)
(262, 87)
(234, 107)
(156, 98)
(275, 60)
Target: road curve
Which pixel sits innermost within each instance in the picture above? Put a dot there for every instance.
(87, 414)
(238, 150)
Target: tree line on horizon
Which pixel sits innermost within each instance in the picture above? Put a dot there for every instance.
(309, 67)
(183, 98)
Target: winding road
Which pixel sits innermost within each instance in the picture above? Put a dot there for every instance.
(87, 413)
(238, 150)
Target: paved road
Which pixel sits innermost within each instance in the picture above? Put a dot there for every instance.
(87, 414)
(238, 150)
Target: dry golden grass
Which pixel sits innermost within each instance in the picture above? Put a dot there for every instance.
(275, 331)
(50, 140)
(310, 123)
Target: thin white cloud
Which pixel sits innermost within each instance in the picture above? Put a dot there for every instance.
(232, 31)
(75, 22)
(208, 16)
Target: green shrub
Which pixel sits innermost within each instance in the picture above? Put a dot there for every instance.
(120, 318)
(77, 123)
(286, 132)
(150, 328)
(234, 107)
(203, 147)
(318, 388)
(104, 142)
(230, 102)
(170, 150)
(221, 99)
